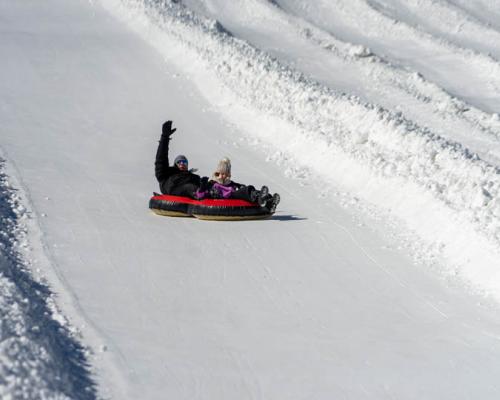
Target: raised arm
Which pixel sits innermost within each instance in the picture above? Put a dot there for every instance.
(161, 161)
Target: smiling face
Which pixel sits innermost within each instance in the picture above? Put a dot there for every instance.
(223, 171)
(182, 164)
(222, 176)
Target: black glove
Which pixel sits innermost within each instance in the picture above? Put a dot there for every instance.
(166, 129)
(215, 193)
(204, 183)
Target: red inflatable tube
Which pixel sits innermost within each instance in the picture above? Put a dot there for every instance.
(211, 209)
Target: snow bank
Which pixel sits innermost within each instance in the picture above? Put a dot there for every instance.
(465, 71)
(443, 191)
(39, 356)
(442, 19)
(386, 82)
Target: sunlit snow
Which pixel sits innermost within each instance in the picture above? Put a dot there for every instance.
(378, 123)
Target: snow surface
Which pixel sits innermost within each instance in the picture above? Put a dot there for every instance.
(377, 122)
(40, 356)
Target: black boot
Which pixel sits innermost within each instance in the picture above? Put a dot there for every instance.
(273, 203)
(264, 196)
(254, 196)
(261, 196)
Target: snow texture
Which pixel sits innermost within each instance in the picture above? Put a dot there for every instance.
(396, 163)
(376, 120)
(40, 357)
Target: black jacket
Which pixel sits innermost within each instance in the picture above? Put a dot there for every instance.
(172, 180)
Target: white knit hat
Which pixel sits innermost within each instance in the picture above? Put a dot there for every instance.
(224, 166)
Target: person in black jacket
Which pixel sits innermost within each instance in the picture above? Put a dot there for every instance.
(176, 180)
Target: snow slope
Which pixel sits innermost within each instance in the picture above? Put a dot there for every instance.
(40, 356)
(379, 154)
(370, 281)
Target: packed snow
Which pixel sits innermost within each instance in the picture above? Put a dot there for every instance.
(375, 152)
(40, 354)
(376, 120)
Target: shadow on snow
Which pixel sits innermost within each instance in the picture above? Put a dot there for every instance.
(65, 367)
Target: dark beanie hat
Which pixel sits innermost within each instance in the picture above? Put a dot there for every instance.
(180, 158)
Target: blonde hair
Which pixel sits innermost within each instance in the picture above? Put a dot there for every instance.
(223, 167)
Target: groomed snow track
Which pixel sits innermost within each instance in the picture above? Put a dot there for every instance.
(375, 120)
(381, 153)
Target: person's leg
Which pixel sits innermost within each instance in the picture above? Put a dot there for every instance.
(247, 193)
(186, 190)
(273, 202)
(262, 197)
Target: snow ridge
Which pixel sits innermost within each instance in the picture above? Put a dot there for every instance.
(359, 21)
(399, 154)
(431, 97)
(484, 11)
(445, 19)
(39, 355)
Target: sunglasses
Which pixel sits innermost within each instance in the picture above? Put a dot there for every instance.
(184, 162)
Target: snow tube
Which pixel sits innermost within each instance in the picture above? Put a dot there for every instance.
(208, 209)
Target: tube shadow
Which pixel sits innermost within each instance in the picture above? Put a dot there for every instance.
(287, 218)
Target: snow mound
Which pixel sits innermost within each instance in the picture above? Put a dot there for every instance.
(39, 356)
(376, 153)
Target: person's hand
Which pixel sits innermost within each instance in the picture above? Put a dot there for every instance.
(215, 193)
(167, 130)
(204, 183)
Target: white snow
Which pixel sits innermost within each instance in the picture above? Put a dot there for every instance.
(40, 356)
(398, 164)
(377, 122)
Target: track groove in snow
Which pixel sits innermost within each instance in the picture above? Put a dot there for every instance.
(485, 11)
(443, 20)
(465, 72)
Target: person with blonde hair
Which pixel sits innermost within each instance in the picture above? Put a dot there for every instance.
(222, 187)
(179, 180)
